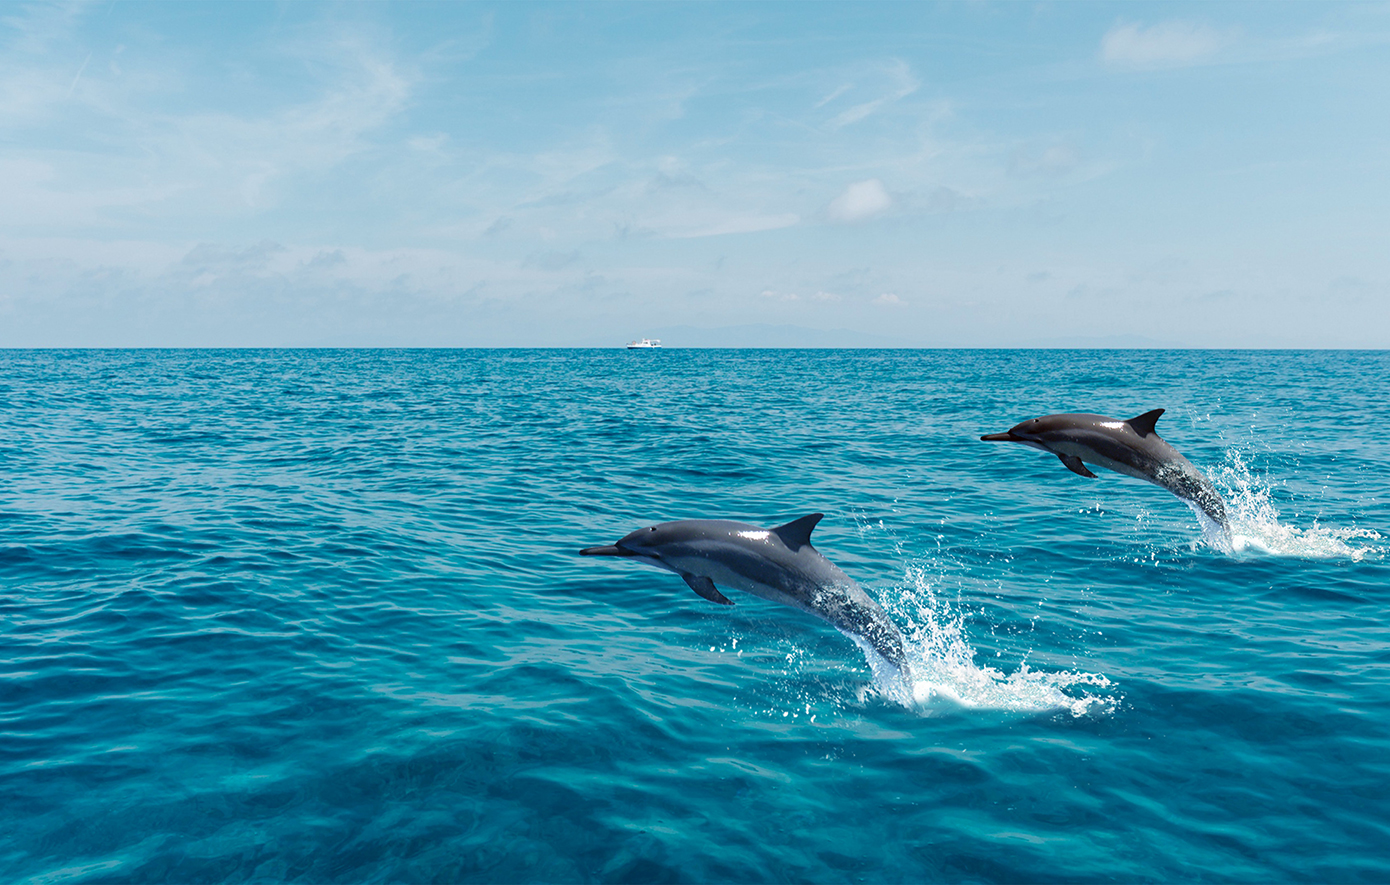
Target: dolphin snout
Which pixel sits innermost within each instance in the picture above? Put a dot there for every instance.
(1007, 436)
(609, 550)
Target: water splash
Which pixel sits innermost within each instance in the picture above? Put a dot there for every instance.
(945, 673)
(1256, 529)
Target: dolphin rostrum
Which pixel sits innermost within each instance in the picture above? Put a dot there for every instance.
(777, 564)
(1130, 447)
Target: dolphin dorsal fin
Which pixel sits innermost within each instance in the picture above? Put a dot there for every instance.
(797, 533)
(1144, 424)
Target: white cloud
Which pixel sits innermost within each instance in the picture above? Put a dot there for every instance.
(545, 181)
(860, 201)
(1168, 44)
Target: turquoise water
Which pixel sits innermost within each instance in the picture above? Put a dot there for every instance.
(319, 616)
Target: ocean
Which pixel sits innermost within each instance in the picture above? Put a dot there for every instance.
(319, 616)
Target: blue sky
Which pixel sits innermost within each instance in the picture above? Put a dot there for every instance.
(440, 174)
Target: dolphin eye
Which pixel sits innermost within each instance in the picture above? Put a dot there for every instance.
(652, 529)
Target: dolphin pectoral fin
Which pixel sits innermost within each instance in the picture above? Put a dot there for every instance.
(1144, 424)
(1075, 466)
(705, 587)
(797, 533)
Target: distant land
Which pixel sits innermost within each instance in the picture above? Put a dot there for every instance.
(1100, 342)
(789, 336)
(768, 335)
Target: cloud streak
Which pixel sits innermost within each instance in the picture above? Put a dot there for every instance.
(1165, 45)
(78, 76)
(901, 83)
(749, 224)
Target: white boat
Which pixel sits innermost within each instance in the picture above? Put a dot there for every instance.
(644, 344)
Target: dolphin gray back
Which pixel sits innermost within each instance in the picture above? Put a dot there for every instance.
(821, 588)
(781, 558)
(1170, 469)
(1137, 442)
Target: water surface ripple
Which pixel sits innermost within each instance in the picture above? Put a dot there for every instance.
(318, 616)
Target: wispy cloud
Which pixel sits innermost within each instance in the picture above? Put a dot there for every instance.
(78, 76)
(140, 152)
(1052, 160)
(747, 224)
(37, 58)
(1167, 44)
(899, 85)
(373, 165)
(311, 137)
(834, 94)
(37, 28)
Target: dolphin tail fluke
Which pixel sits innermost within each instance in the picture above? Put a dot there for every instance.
(1074, 464)
(705, 587)
(1144, 424)
(797, 533)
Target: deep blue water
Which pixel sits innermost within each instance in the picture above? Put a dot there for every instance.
(319, 616)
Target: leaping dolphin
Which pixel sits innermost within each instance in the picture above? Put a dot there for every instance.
(777, 564)
(1130, 447)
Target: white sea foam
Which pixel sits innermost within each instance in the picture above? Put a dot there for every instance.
(1256, 529)
(946, 675)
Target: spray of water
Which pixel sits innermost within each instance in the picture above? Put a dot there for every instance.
(1256, 529)
(945, 674)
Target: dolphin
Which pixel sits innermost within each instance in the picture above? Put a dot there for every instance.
(1130, 447)
(777, 564)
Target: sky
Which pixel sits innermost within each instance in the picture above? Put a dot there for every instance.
(970, 174)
